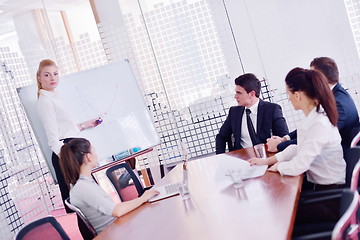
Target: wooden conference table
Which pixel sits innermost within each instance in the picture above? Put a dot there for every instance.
(264, 209)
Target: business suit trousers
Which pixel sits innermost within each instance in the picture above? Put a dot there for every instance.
(64, 189)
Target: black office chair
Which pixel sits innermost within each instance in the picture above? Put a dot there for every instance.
(44, 228)
(355, 133)
(89, 232)
(347, 226)
(351, 179)
(125, 182)
(230, 143)
(327, 196)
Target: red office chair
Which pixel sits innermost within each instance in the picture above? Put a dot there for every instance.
(43, 229)
(88, 233)
(125, 182)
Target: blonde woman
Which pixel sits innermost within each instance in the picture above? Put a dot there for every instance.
(57, 122)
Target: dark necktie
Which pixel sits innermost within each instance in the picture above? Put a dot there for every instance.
(251, 127)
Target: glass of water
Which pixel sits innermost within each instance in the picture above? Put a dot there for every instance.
(184, 191)
(236, 177)
(260, 150)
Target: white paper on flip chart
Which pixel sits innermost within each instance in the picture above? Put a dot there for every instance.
(228, 163)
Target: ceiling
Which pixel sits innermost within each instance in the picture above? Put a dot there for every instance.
(10, 8)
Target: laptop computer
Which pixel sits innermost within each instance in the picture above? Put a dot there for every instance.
(166, 191)
(172, 189)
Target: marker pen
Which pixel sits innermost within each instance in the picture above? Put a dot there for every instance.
(99, 121)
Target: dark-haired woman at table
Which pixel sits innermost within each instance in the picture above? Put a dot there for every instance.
(318, 152)
(77, 159)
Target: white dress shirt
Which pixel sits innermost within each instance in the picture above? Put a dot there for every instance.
(56, 120)
(318, 152)
(245, 135)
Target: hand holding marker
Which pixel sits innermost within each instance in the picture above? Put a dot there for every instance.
(90, 123)
(99, 121)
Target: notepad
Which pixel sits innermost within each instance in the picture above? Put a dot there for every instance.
(251, 172)
(232, 163)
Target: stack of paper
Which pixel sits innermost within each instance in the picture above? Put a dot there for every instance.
(228, 163)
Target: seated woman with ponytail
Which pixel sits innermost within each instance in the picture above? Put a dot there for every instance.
(319, 151)
(77, 159)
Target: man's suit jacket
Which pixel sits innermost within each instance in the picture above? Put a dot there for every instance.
(347, 121)
(270, 121)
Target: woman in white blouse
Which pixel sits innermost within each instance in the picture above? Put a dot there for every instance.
(57, 123)
(318, 152)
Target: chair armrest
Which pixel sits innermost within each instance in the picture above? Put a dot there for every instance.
(320, 235)
(147, 188)
(144, 189)
(320, 193)
(320, 199)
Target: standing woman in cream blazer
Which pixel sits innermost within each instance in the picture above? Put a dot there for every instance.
(57, 122)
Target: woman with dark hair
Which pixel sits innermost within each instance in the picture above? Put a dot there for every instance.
(77, 159)
(319, 151)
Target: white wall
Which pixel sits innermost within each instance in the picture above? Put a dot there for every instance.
(278, 35)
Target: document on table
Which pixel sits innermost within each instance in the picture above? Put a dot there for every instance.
(228, 163)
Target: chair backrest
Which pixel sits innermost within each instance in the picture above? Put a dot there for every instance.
(44, 228)
(356, 133)
(347, 227)
(230, 142)
(125, 182)
(355, 177)
(352, 167)
(92, 232)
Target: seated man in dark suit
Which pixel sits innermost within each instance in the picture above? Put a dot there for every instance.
(348, 114)
(253, 120)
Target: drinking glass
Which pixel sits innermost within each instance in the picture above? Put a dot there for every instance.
(260, 150)
(236, 177)
(184, 151)
(184, 191)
